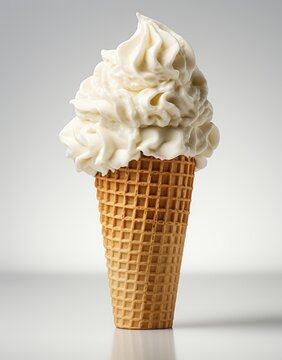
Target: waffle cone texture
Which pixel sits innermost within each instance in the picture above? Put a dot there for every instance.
(144, 211)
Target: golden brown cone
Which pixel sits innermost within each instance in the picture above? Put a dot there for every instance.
(144, 211)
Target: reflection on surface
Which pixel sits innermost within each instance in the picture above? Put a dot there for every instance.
(143, 345)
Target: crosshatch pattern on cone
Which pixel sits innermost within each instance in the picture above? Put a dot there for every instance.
(144, 211)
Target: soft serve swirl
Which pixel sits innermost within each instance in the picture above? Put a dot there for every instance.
(146, 96)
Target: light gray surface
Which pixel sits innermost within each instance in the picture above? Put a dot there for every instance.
(48, 47)
(59, 317)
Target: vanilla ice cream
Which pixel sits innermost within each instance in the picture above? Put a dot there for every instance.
(146, 96)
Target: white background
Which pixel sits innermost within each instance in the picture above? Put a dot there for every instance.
(49, 212)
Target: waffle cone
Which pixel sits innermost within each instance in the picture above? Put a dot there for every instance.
(144, 210)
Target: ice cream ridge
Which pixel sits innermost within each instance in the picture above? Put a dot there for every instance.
(142, 128)
(147, 96)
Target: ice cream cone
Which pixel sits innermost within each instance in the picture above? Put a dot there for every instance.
(144, 211)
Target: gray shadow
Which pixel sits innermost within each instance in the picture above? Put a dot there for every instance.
(143, 345)
(255, 321)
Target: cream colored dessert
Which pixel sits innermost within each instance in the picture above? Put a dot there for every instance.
(146, 96)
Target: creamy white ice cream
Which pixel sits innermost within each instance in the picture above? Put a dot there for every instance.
(147, 95)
